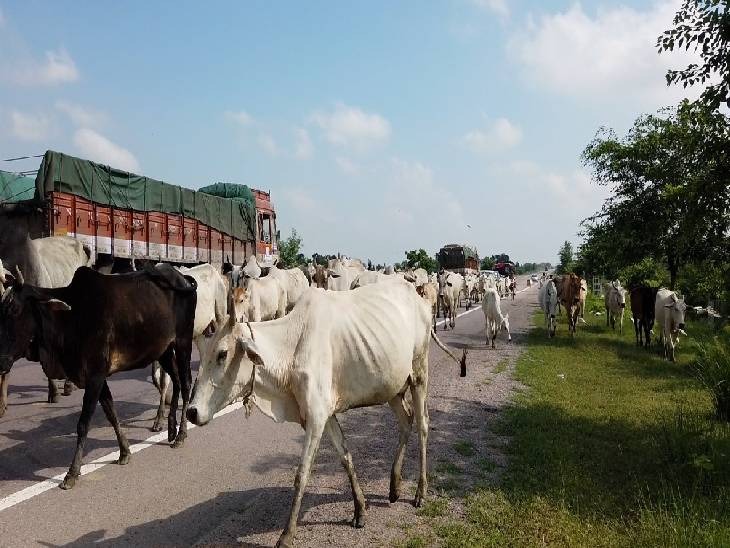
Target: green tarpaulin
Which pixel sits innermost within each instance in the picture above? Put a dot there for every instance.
(108, 186)
(15, 188)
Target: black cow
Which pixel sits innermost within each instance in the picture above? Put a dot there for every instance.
(642, 309)
(102, 324)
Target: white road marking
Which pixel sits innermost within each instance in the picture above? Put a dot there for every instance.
(46, 485)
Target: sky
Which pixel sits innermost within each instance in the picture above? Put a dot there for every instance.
(378, 126)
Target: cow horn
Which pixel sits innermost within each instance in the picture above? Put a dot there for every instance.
(19, 276)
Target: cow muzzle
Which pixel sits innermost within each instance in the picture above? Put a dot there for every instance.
(195, 417)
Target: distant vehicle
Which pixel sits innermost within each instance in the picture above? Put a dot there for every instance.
(505, 268)
(533, 277)
(458, 258)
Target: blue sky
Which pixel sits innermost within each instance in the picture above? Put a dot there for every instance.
(377, 126)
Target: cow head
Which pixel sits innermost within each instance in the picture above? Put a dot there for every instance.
(442, 280)
(676, 310)
(21, 308)
(225, 372)
(241, 303)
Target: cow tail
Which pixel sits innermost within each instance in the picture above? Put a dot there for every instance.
(442, 346)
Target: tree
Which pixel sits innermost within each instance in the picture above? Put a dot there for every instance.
(290, 250)
(702, 26)
(671, 194)
(420, 259)
(566, 258)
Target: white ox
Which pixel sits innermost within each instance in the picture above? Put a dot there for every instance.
(260, 300)
(342, 272)
(210, 310)
(450, 287)
(335, 351)
(548, 297)
(669, 313)
(615, 303)
(493, 317)
(293, 282)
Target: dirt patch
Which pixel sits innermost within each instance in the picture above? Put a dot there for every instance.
(463, 452)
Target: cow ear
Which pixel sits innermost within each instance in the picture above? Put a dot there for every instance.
(56, 305)
(250, 349)
(332, 274)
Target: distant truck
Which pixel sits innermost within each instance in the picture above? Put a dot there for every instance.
(458, 258)
(505, 268)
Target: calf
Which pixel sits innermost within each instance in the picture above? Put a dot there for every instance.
(493, 317)
(669, 313)
(548, 297)
(569, 296)
(642, 309)
(100, 325)
(615, 302)
(450, 286)
(261, 299)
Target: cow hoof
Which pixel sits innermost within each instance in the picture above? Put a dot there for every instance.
(2, 410)
(358, 522)
(68, 388)
(394, 494)
(285, 541)
(418, 501)
(171, 434)
(68, 482)
(53, 399)
(179, 441)
(156, 428)
(123, 459)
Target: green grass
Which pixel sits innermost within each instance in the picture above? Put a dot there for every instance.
(501, 367)
(610, 446)
(464, 448)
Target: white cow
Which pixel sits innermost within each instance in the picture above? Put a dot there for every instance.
(469, 284)
(669, 313)
(210, 310)
(293, 282)
(335, 351)
(430, 292)
(341, 274)
(548, 297)
(493, 317)
(450, 287)
(260, 300)
(369, 277)
(615, 303)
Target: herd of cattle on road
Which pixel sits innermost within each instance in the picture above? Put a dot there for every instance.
(302, 344)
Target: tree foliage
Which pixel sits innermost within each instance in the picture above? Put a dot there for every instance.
(671, 195)
(290, 250)
(702, 26)
(566, 258)
(420, 259)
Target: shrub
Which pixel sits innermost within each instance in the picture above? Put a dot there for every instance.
(646, 272)
(712, 368)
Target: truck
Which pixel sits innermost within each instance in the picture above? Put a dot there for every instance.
(122, 216)
(459, 258)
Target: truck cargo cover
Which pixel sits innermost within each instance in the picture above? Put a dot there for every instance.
(15, 188)
(109, 186)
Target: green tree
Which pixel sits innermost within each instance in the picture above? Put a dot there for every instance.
(420, 259)
(290, 250)
(704, 27)
(671, 194)
(566, 258)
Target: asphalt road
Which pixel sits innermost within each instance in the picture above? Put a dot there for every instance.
(231, 483)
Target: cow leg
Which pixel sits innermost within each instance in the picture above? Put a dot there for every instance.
(163, 381)
(419, 390)
(3, 393)
(91, 397)
(68, 387)
(52, 391)
(338, 440)
(405, 420)
(107, 404)
(313, 435)
(168, 366)
(182, 357)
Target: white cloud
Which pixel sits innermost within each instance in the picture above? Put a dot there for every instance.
(57, 68)
(352, 127)
(240, 117)
(300, 199)
(96, 147)
(606, 57)
(347, 166)
(268, 144)
(303, 148)
(30, 127)
(81, 116)
(498, 7)
(499, 136)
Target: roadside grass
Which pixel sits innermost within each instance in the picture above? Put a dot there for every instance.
(610, 446)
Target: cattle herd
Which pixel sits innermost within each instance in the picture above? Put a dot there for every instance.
(302, 344)
(648, 305)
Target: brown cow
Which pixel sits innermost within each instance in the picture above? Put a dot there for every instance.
(569, 296)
